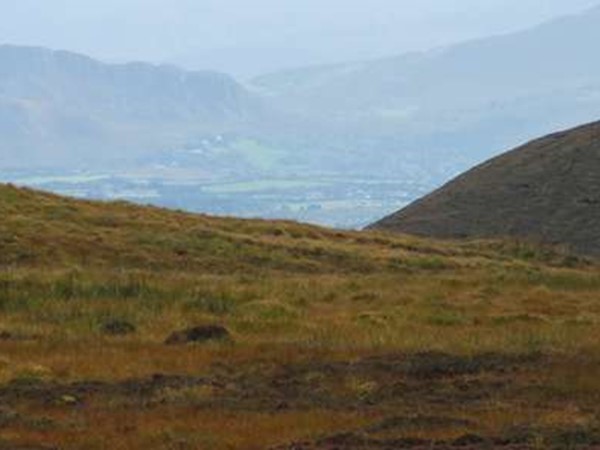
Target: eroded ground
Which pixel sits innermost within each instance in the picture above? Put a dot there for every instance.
(317, 339)
(387, 401)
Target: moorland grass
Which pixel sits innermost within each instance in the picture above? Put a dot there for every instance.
(287, 292)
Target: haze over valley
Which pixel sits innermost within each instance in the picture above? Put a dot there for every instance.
(341, 144)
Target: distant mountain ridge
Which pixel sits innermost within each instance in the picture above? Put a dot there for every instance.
(471, 98)
(444, 110)
(514, 64)
(547, 190)
(59, 107)
(420, 119)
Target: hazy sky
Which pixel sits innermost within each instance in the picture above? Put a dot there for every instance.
(247, 37)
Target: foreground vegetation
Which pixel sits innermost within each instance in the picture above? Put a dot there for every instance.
(337, 339)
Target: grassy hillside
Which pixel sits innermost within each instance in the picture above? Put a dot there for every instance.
(337, 339)
(41, 229)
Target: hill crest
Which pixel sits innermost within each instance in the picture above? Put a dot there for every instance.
(547, 190)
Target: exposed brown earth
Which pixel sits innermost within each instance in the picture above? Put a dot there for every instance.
(416, 401)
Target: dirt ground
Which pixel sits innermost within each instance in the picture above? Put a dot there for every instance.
(416, 401)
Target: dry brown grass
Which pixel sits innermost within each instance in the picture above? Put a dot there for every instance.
(289, 294)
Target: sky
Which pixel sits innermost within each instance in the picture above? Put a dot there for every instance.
(251, 37)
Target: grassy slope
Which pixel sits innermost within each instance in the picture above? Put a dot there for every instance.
(291, 294)
(42, 230)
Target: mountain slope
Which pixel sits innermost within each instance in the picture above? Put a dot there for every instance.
(497, 91)
(476, 72)
(547, 190)
(63, 109)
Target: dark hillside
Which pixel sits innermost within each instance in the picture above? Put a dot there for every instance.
(547, 190)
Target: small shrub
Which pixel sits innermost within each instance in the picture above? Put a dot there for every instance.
(447, 318)
(118, 328)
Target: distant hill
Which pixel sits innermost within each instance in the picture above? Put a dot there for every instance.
(443, 110)
(463, 102)
(547, 190)
(63, 109)
(170, 136)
